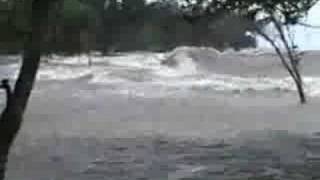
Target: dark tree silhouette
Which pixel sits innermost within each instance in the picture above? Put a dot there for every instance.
(17, 98)
(281, 14)
(290, 57)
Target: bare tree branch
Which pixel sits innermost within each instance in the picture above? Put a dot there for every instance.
(309, 25)
(278, 51)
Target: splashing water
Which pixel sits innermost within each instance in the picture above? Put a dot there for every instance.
(144, 73)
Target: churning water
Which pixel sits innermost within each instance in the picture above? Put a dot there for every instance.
(182, 71)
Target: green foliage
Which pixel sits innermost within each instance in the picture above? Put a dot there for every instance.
(289, 11)
(22, 15)
(16, 14)
(75, 13)
(164, 24)
(4, 13)
(14, 21)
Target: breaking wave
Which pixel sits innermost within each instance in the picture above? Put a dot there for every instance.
(181, 71)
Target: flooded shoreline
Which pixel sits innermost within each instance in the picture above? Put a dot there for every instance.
(140, 120)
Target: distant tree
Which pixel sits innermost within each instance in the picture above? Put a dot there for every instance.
(281, 15)
(287, 51)
(33, 29)
(215, 26)
(259, 14)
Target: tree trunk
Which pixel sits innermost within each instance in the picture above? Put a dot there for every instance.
(291, 65)
(12, 116)
(303, 99)
(3, 162)
(300, 89)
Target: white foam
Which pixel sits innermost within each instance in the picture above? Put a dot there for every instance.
(71, 60)
(62, 73)
(312, 86)
(10, 71)
(184, 60)
(105, 77)
(249, 52)
(187, 67)
(85, 59)
(209, 50)
(136, 61)
(141, 74)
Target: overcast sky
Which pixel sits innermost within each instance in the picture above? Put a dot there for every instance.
(308, 38)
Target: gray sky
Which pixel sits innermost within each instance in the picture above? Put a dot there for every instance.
(310, 38)
(307, 38)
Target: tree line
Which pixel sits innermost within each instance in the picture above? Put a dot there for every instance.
(76, 26)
